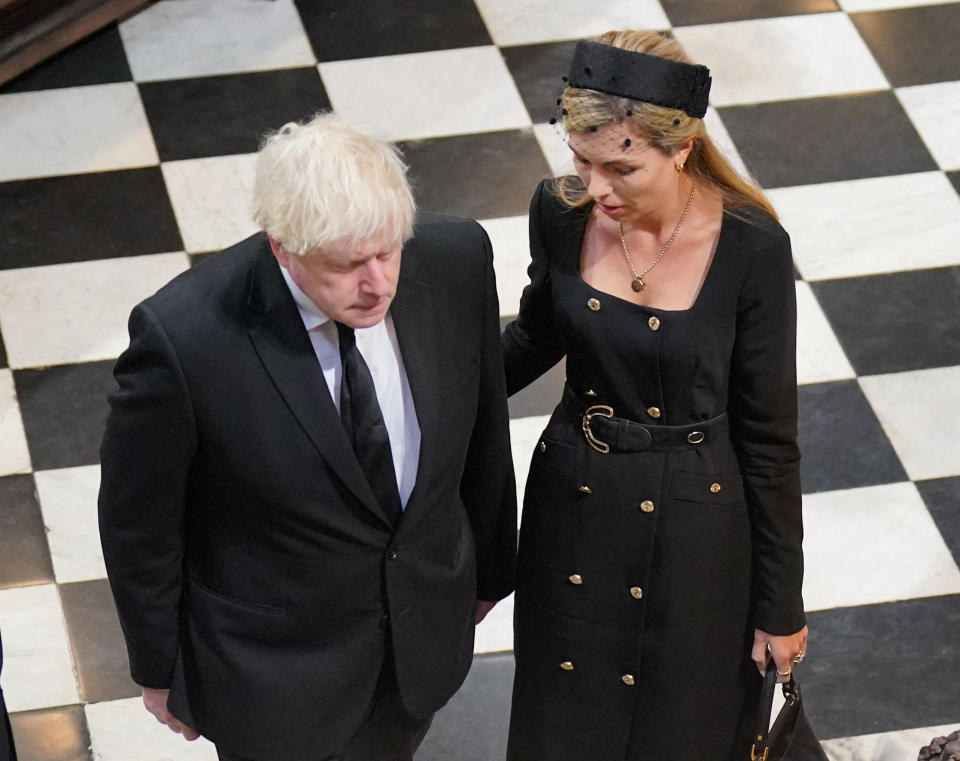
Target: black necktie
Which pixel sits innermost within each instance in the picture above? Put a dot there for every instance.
(363, 421)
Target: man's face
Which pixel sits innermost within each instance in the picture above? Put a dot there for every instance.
(353, 285)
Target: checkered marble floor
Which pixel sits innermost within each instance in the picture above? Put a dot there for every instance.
(130, 156)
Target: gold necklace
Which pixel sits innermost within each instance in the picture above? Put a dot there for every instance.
(637, 284)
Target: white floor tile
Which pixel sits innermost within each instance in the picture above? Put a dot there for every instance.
(74, 129)
(513, 23)
(14, 454)
(854, 6)
(819, 354)
(418, 95)
(122, 730)
(935, 112)
(511, 255)
(770, 59)
(68, 501)
(37, 666)
(865, 227)
(555, 150)
(873, 544)
(903, 745)
(524, 435)
(211, 200)
(495, 632)
(194, 38)
(91, 300)
(920, 413)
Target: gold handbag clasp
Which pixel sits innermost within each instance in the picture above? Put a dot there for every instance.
(601, 410)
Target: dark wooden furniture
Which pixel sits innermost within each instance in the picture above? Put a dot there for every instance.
(33, 30)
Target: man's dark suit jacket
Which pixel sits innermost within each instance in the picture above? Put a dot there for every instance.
(255, 575)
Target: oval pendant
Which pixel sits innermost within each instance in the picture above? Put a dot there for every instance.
(637, 284)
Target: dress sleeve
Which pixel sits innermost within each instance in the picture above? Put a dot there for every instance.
(531, 343)
(763, 411)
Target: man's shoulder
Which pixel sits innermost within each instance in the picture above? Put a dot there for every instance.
(216, 277)
(431, 228)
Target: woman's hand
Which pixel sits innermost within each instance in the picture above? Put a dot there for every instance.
(787, 651)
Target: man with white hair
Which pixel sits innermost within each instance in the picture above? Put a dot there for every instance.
(307, 497)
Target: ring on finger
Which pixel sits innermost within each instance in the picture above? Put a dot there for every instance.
(799, 657)
(784, 673)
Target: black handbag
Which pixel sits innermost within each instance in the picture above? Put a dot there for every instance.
(791, 737)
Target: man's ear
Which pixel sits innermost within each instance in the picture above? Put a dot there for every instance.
(279, 252)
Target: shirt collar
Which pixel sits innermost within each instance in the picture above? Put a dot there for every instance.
(309, 312)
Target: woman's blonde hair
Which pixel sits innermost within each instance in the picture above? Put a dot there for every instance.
(325, 182)
(666, 129)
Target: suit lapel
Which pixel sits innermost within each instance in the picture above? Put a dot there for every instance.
(284, 348)
(413, 319)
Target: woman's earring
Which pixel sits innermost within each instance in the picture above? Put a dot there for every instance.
(678, 167)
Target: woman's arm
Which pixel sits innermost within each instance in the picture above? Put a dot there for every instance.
(531, 344)
(763, 412)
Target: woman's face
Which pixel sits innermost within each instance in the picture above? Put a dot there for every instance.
(623, 173)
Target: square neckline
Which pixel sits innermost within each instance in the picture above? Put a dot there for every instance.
(703, 285)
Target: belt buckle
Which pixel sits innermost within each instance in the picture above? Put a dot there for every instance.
(601, 410)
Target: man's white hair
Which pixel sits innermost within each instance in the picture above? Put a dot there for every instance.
(325, 182)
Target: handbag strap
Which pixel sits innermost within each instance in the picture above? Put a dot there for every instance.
(759, 751)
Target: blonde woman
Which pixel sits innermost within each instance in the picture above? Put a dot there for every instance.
(660, 553)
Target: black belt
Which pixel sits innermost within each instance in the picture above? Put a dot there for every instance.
(607, 433)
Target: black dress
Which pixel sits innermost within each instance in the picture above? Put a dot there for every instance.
(643, 573)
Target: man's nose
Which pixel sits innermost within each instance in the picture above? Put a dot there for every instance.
(375, 278)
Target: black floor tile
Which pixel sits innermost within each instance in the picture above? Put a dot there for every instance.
(801, 142)
(64, 409)
(99, 650)
(687, 12)
(219, 116)
(341, 30)
(87, 216)
(52, 734)
(96, 60)
(24, 553)
(483, 176)
(914, 46)
(914, 319)
(841, 441)
(942, 498)
(954, 178)
(538, 72)
(473, 725)
(880, 668)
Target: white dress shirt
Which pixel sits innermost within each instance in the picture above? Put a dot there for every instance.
(381, 351)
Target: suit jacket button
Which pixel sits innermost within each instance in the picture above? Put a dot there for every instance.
(628, 680)
(576, 579)
(715, 488)
(654, 323)
(653, 412)
(392, 555)
(646, 506)
(636, 593)
(594, 304)
(567, 666)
